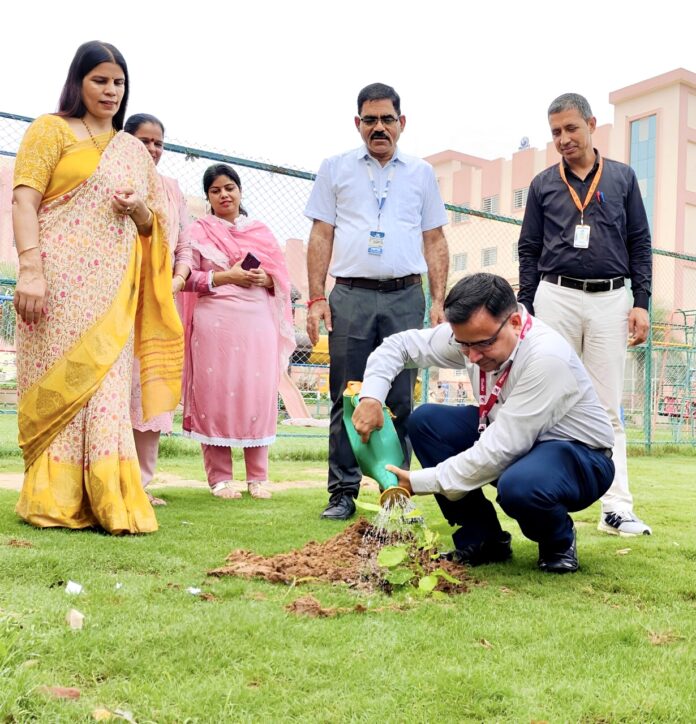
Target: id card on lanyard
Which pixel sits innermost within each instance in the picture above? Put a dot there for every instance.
(581, 238)
(375, 242)
(486, 402)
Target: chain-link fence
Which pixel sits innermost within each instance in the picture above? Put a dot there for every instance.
(660, 390)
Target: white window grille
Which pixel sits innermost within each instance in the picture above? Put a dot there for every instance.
(490, 204)
(519, 198)
(459, 217)
(459, 262)
(489, 256)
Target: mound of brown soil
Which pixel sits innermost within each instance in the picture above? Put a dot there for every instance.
(348, 557)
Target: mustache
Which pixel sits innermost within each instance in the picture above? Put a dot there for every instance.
(379, 134)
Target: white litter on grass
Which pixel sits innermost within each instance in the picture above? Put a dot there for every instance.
(186, 522)
(73, 588)
(118, 586)
(75, 619)
(194, 591)
(124, 714)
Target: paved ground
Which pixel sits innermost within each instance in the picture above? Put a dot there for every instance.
(13, 481)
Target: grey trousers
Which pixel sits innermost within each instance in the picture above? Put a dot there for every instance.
(361, 319)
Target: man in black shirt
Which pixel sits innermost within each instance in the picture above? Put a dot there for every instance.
(585, 233)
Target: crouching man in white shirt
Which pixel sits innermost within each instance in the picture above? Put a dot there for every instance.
(539, 434)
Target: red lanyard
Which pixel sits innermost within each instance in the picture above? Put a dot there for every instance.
(486, 405)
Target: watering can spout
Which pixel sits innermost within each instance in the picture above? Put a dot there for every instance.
(393, 496)
(383, 448)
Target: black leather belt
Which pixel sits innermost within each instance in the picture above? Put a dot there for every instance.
(380, 285)
(585, 285)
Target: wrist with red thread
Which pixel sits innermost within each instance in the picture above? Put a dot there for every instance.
(314, 301)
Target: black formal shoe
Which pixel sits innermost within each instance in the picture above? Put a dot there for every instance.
(564, 562)
(340, 507)
(494, 550)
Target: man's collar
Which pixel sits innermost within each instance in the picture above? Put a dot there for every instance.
(592, 170)
(362, 153)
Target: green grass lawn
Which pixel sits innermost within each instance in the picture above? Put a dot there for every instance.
(614, 643)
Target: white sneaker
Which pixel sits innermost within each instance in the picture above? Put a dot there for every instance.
(622, 523)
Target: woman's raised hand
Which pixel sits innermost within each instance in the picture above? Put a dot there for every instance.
(260, 278)
(127, 202)
(237, 275)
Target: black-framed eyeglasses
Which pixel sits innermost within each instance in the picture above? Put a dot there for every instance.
(373, 120)
(484, 344)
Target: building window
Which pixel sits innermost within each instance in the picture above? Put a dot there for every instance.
(459, 262)
(519, 198)
(489, 256)
(515, 252)
(490, 204)
(459, 217)
(643, 148)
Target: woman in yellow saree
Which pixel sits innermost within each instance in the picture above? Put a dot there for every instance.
(94, 286)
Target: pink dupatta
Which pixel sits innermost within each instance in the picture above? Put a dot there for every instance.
(224, 244)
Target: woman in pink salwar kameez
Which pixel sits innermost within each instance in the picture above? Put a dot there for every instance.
(150, 131)
(239, 337)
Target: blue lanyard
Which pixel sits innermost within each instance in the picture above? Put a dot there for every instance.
(380, 199)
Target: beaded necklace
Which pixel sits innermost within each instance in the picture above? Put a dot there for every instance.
(94, 141)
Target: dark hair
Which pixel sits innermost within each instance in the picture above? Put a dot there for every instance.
(221, 169)
(137, 119)
(88, 56)
(570, 101)
(379, 92)
(479, 291)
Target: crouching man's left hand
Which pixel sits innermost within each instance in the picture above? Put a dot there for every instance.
(403, 476)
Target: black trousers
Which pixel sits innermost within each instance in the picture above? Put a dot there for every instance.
(361, 319)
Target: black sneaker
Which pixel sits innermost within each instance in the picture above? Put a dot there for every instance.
(488, 551)
(340, 507)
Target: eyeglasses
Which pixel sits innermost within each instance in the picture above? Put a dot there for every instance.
(484, 344)
(373, 120)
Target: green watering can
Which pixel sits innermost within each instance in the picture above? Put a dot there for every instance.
(383, 448)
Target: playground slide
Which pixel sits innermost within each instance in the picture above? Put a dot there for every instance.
(292, 398)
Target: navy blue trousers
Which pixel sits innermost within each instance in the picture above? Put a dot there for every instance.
(538, 490)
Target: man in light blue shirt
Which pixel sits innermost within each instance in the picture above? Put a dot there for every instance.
(377, 218)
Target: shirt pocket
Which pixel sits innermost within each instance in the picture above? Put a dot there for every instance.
(610, 216)
(410, 207)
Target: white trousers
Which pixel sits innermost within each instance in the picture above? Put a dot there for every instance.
(596, 326)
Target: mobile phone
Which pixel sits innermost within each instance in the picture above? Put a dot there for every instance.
(250, 262)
